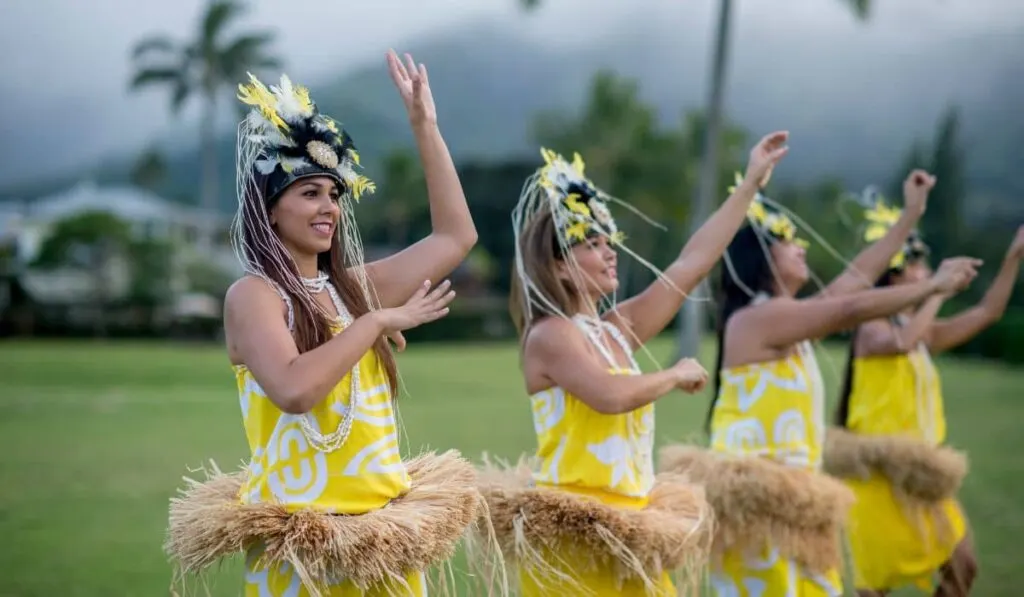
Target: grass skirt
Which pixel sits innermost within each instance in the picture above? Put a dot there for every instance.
(414, 532)
(758, 502)
(672, 533)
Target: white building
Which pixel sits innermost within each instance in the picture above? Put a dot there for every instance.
(25, 225)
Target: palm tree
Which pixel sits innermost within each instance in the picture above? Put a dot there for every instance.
(692, 315)
(206, 66)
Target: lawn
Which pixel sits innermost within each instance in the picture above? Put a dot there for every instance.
(97, 436)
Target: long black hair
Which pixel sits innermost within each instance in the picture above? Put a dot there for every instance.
(843, 408)
(751, 271)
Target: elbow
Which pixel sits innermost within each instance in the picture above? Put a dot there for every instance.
(606, 403)
(295, 402)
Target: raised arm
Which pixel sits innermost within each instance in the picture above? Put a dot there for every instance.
(649, 312)
(453, 232)
(954, 331)
(783, 322)
(871, 263)
(258, 336)
(567, 360)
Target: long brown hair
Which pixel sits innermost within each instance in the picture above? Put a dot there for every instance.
(540, 254)
(312, 328)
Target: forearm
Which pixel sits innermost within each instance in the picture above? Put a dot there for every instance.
(920, 324)
(873, 304)
(637, 391)
(449, 213)
(998, 294)
(311, 376)
(707, 245)
(871, 263)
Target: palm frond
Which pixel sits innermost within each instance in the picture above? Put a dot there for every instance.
(243, 53)
(157, 44)
(219, 14)
(154, 75)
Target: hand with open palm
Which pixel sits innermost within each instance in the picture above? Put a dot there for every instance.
(414, 87)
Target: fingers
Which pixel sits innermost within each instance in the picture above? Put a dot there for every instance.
(423, 74)
(420, 292)
(398, 339)
(410, 64)
(777, 155)
(440, 290)
(773, 139)
(399, 67)
(395, 68)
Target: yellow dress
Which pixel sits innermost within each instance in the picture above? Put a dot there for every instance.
(891, 547)
(607, 457)
(286, 467)
(774, 409)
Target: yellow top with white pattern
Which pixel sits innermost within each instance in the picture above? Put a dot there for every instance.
(364, 474)
(584, 451)
(774, 409)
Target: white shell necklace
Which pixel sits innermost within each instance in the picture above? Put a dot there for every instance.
(332, 441)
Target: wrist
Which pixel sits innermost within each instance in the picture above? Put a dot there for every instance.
(421, 126)
(376, 319)
(749, 185)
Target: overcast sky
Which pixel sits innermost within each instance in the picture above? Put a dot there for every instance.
(66, 61)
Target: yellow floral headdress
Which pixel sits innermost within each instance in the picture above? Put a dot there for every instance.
(577, 205)
(295, 141)
(769, 221)
(880, 218)
(580, 212)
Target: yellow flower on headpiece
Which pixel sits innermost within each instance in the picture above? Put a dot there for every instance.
(573, 203)
(577, 163)
(577, 230)
(256, 94)
(898, 260)
(757, 212)
(880, 219)
(738, 180)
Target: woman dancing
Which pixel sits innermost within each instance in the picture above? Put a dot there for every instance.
(779, 520)
(592, 519)
(326, 505)
(906, 526)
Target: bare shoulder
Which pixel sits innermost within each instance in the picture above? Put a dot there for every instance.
(249, 304)
(249, 293)
(548, 334)
(251, 300)
(743, 339)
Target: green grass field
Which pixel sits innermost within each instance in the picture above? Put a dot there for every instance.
(97, 436)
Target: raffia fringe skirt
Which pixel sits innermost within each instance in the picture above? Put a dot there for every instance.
(920, 472)
(922, 476)
(672, 534)
(759, 502)
(416, 531)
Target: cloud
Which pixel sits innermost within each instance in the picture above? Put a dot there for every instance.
(68, 81)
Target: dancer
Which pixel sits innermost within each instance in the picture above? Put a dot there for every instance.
(778, 520)
(592, 518)
(326, 505)
(906, 525)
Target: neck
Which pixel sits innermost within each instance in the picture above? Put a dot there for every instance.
(306, 264)
(587, 307)
(782, 290)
